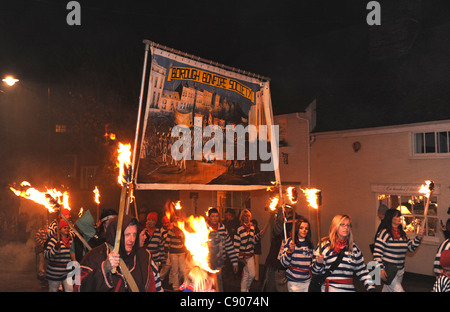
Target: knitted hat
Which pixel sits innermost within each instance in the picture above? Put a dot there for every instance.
(65, 212)
(165, 219)
(445, 259)
(153, 216)
(62, 223)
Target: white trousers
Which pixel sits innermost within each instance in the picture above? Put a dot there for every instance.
(298, 286)
(248, 274)
(396, 285)
(53, 286)
(178, 265)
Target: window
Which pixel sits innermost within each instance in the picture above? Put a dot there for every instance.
(60, 128)
(235, 200)
(412, 208)
(87, 180)
(432, 142)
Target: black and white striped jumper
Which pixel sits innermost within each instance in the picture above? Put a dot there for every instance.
(442, 283)
(393, 251)
(154, 244)
(245, 240)
(226, 240)
(342, 277)
(57, 260)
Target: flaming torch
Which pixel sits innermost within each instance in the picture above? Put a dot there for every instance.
(314, 198)
(52, 200)
(292, 195)
(177, 205)
(124, 179)
(291, 192)
(97, 201)
(426, 189)
(273, 203)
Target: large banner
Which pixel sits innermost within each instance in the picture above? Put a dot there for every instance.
(206, 126)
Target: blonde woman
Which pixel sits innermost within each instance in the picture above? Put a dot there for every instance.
(244, 243)
(340, 239)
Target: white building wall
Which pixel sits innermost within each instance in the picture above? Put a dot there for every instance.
(346, 178)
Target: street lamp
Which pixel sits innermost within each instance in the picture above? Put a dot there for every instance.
(10, 81)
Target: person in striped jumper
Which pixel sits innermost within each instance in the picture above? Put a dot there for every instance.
(177, 253)
(151, 238)
(40, 239)
(244, 243)
(391, 246)
(340, 238)
(297, 258)
(219, 246)
(442, 283)
(58, 255)
(437, 268)
(165, 268)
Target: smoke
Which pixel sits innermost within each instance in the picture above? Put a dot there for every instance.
(18, 256)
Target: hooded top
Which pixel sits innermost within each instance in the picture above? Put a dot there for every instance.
(139, 262)
(111, 237)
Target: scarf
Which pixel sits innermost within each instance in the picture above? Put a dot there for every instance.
(151, 231)
(247, 226)
(396, 233)
(214, 227)
(340, 244)
(66, 240)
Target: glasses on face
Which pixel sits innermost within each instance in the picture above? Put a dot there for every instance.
(346, 225)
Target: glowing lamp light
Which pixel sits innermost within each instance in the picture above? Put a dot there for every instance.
(10, 81)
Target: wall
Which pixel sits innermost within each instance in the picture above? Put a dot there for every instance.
(346, 178)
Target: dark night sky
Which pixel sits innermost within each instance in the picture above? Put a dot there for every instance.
(361, 76)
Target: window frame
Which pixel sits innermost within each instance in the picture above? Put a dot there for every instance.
(410, 190)
(437, 146)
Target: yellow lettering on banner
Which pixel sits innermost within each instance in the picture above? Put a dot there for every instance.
(197, 75)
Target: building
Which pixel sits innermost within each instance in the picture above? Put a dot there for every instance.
(356, 170)
(359, 169)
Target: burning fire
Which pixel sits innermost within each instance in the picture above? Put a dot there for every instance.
(197, 241)
(96, 195)
(311, 197)
(273, 203)
(426, 188)
(177, 205)
(123, 162)
(42, 198)
(291, 193)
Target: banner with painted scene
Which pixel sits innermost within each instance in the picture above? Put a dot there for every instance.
(205, 126)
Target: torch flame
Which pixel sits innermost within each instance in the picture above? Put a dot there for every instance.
(290, 194)
(39, 197)
(123, 160)
(426, 188)
(197, 241)
(273, 203)
(177, 205)
(96, 195)
(311, 197)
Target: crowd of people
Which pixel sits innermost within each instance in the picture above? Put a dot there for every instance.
(155, 258)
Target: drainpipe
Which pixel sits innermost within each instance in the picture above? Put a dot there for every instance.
(309, 147)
